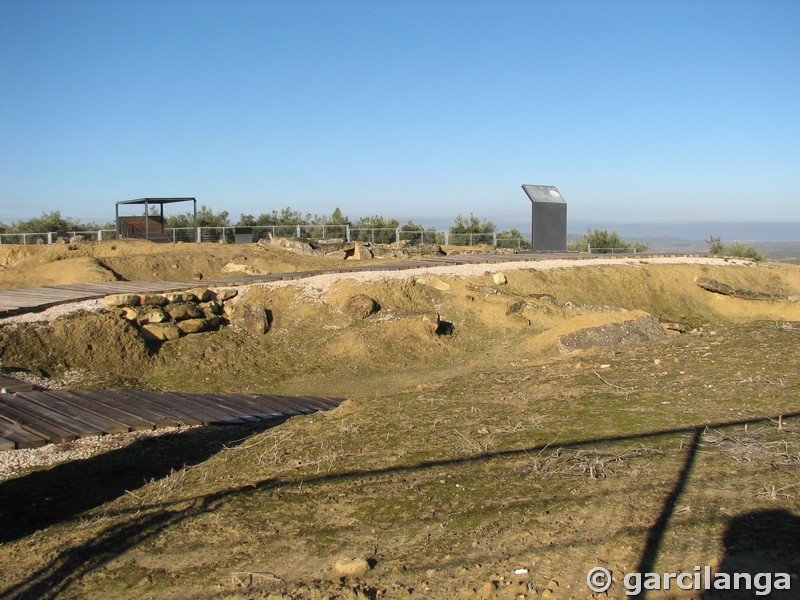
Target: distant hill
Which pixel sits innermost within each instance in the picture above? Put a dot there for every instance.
(698, 232)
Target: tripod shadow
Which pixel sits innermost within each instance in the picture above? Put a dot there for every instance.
(761, 542)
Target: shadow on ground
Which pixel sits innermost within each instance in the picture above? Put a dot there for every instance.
(43, 498)
(748, 536)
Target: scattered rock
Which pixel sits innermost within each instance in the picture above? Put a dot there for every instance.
(679, 327)
(361, 306)
(499, 278)
(548, 297)
(351, 568)
(612, 334)
(237, 268)
(197, 276)
(122, 300)
(718, 287)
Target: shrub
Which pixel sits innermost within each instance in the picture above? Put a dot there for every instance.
(602, 240)
(738, 249)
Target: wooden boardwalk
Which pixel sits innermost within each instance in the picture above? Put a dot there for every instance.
(29, 419)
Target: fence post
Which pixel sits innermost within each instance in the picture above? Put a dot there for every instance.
(49, 237)
(446, 238)
(494, 238)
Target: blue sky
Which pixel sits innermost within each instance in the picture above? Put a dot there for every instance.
(638, 111)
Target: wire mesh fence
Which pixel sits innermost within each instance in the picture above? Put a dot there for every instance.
(315, 232)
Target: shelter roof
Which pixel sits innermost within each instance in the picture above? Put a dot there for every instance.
(156, 200)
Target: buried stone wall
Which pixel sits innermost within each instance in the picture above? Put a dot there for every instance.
(168, 316)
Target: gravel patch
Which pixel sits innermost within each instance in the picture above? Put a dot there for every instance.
(16, 462)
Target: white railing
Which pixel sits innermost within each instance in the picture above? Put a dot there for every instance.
(52, 237)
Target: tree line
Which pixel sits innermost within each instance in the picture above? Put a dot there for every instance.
(206, 217)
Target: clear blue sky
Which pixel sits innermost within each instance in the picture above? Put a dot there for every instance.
(639, 111)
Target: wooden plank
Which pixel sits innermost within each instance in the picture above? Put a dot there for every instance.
(123, 403)
(101, 409)
(34, 424)
(153, 403)
(207, 415)
(245, 410)
(328, 403)
(316, 403)
(208, 405)
(22, 438)
(50, 416)
(15, 385)
(261, 406)
(6, 444)
(81, 415)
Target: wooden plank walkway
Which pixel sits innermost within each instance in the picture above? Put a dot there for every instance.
(34, 418)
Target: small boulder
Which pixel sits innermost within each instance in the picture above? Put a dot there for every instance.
(226, 294)
(351, 568)
(361, 306)
(152, 315)
(203, 294)
(238, 269)
(188, 326)
(361, 252)
(115, 300)
(153, 300)
(187, 310)
(211, 308)
(499, 278)
(129, 313)
(176, 297)
(252, 318)
(160, 332)
(296, 246)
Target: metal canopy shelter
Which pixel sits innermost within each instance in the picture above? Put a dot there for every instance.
(147, 202)
(548, 218)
